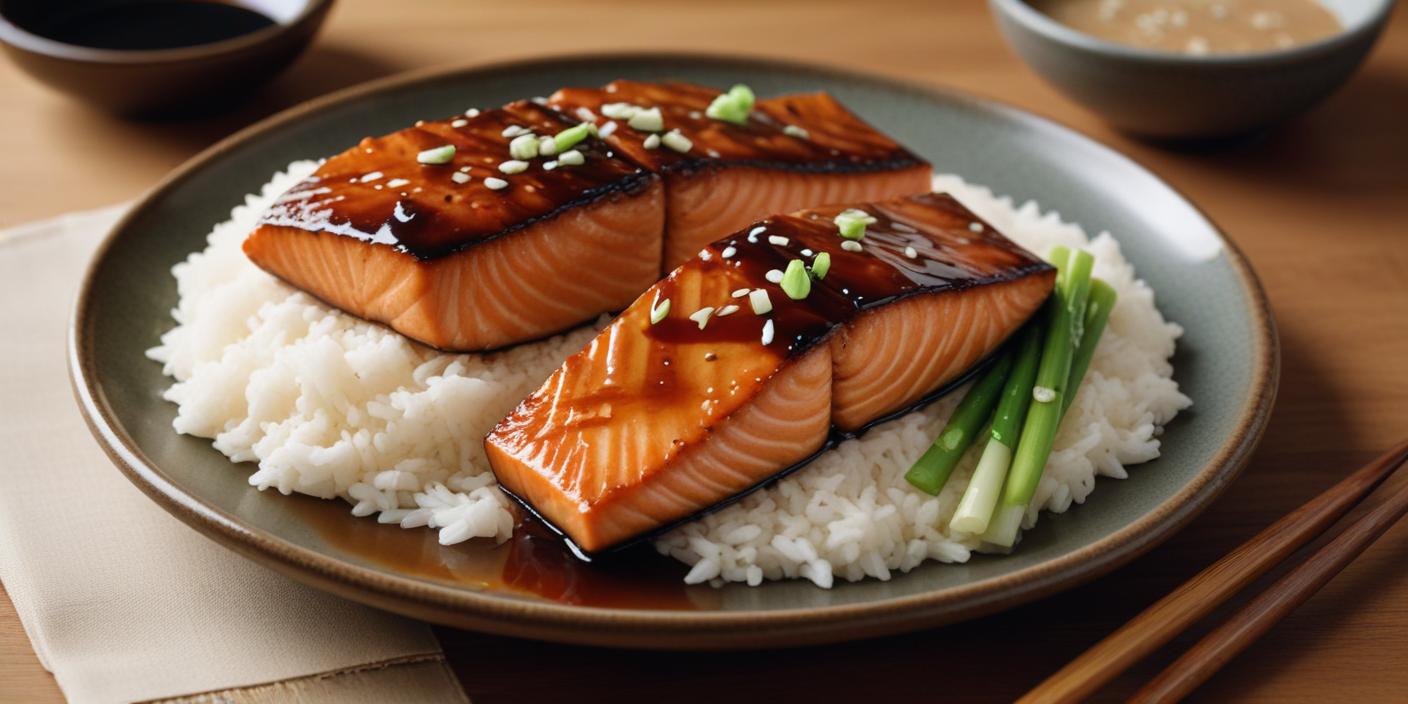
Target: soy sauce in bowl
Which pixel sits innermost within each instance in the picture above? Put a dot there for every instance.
(150, 24)
(157, 57)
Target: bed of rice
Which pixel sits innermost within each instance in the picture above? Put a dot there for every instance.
(331, 406)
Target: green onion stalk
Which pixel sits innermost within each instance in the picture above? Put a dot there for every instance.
(1066, 311)
(975, 508)
(932, 470)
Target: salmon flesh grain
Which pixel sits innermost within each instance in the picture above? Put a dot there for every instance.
(726, 373)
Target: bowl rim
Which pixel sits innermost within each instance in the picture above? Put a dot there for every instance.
(13, 35)
(678, 629)
(1034, 20)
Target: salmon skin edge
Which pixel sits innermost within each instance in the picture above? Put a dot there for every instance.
(834, 437)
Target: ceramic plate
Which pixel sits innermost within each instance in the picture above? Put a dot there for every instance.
(1227, 362)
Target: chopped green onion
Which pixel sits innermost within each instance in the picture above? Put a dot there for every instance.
(547, 146)
(733, 106)
(758, 298)
(932, 470)
(620, 111)
(437, 155)
(795, 282)
(821, 265)
(851, 223)
(676, 141)
(701, 316)
(651, 142)
(659, 311)
(569, 137)
(524, 146)
(647, 120)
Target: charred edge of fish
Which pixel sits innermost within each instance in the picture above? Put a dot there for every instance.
(631, 185)
(834, 437)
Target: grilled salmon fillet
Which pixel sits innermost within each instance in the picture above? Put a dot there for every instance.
(676, 407)
(431, 250)
(793, 152)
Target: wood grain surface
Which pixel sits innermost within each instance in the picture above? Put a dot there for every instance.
(1319, 206)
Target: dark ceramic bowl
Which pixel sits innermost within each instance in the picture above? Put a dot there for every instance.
(158, 81)
(1166, 95)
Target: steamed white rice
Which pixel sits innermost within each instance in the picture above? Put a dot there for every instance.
(332, 406)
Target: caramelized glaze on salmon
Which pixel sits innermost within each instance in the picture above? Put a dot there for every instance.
(433, 252)
(794, 151)
(654, 422)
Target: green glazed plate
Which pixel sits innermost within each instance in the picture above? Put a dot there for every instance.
(1227, 362)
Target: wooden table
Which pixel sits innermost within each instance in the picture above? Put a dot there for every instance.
(1319, 206)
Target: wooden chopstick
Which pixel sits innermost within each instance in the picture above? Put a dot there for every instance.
(1188, 604)
(1257, 617)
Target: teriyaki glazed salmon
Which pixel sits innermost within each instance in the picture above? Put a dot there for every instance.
(509, 224)
(745, 360)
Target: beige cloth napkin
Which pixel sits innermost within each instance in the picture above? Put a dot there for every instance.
(121, 601)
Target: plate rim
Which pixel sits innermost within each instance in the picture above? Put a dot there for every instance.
(487, 611)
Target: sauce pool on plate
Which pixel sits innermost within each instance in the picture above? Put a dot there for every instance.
(1198, 27)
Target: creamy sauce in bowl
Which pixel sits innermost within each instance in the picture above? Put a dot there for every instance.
(1198, 27)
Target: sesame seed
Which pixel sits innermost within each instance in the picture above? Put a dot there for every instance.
(459, 123)
(472, 112)
(753, 233)
(851, 246)
(695, 114)
(458, 177)
(464, 169)
(759, 300)
(729, 252)
(701, 316)
(371, 177)
(774, 276)
(513, 131)
(778, 240)
(549, 165)
(651, 142)
(740, 293)
(586, 115)
(910, 252)
(676, 141)
(496, 184)
(729, 309)
(513, 166)
(807, 252)
(571, 157)
(607, 130)
(767, 332)
(397, 183)
(710, 356)
(795, 131)
(705, 255)
(975, 227)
